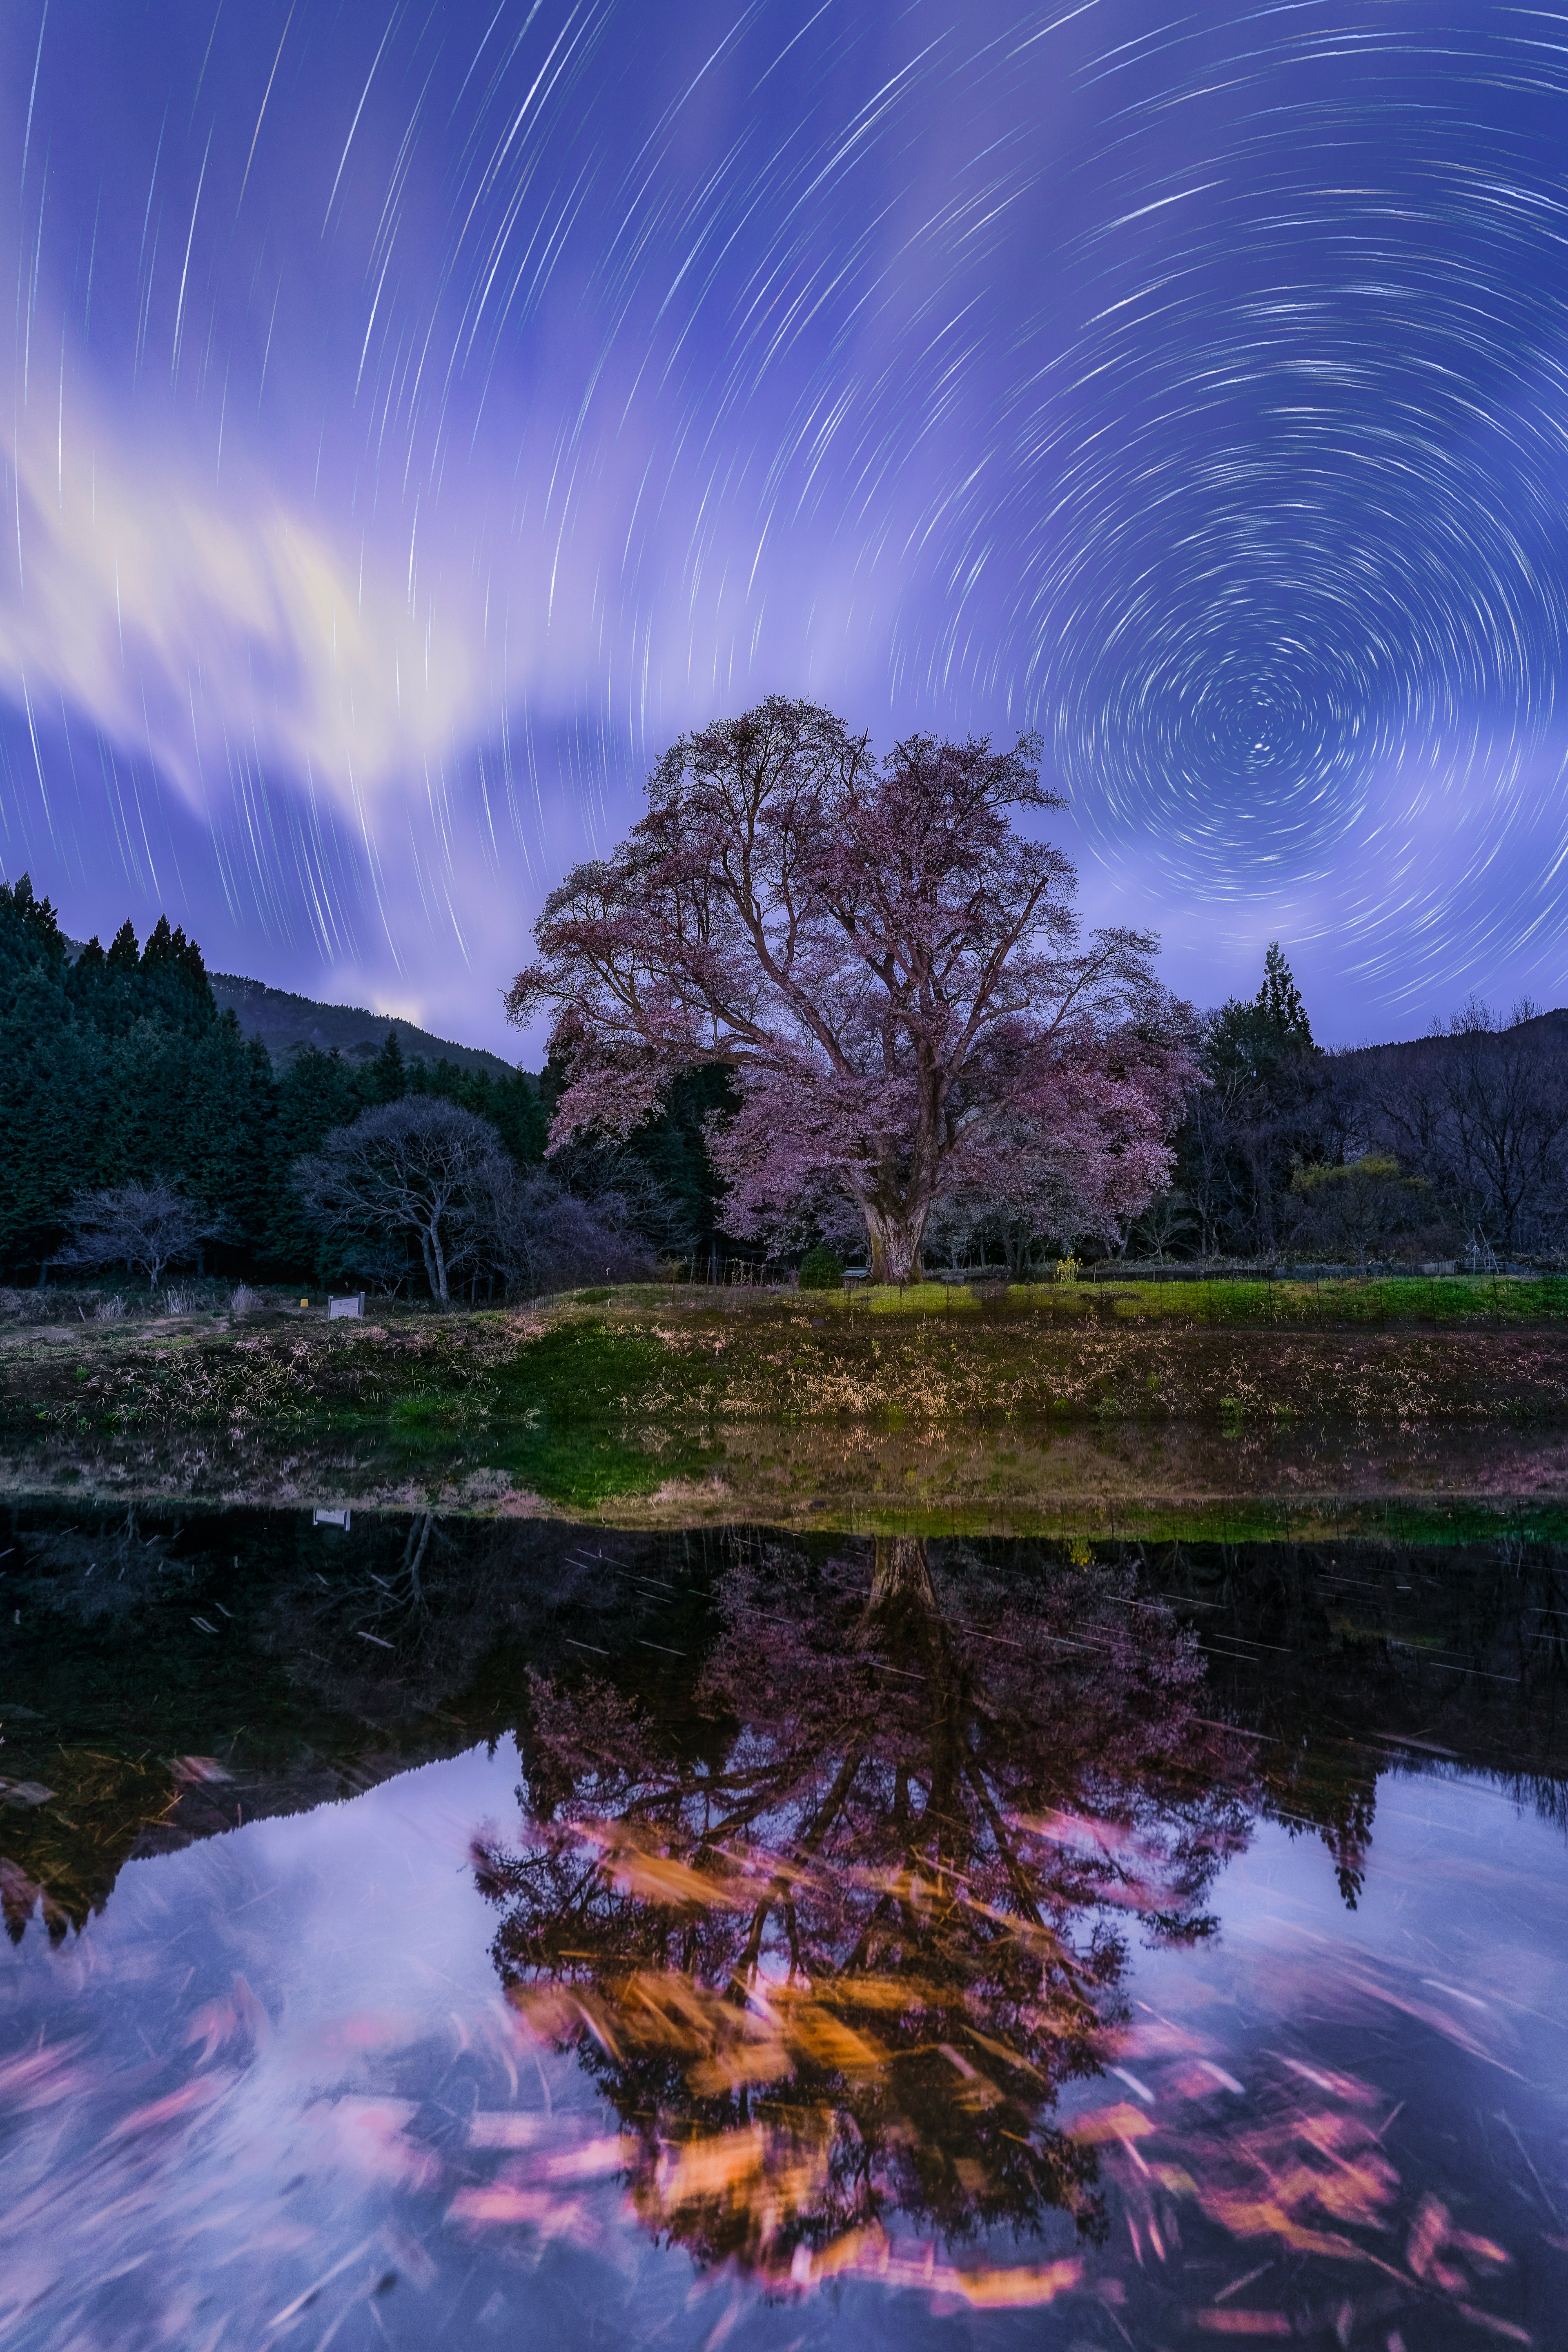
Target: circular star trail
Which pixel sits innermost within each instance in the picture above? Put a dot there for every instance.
(421, 414)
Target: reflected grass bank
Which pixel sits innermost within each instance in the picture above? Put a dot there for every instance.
(1111, 1480)
(1025, 1412)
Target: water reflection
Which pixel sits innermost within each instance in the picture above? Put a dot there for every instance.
(1130, 1479)
(832, 1954)
(893, 1941)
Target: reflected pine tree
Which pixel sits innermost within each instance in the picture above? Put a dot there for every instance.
(837, 1960)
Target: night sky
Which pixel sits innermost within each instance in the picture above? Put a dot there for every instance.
(417, 414)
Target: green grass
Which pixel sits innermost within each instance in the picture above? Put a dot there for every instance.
(1231, 1299)
(1393, 1298)
(562, 1406)
(584, 1414)
(586, 1367)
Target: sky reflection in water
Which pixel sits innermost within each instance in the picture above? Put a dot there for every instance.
(1079, 2047)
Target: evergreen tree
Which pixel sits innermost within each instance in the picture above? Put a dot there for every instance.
(228, 1119)
(1263, 1113)
(171, 980)
(673, 1148)
(512, 1105)
(388, 1076)
(1279, 1001)
(317, 1093)
(103, 987)
(46, 1096)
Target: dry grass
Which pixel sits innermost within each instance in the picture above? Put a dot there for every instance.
(782, 1361)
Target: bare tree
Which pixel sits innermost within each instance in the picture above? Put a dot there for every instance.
(538, 1237)
(1167, 1223)
(143, 1227)
(1481, 1109)
(421, 1167)
(600, 1170)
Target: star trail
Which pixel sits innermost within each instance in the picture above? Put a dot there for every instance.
(419, 414)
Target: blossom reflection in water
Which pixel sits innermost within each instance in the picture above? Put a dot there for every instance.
(846, 1955)
(834, 1952)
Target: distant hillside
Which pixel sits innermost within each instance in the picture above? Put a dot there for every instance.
(283, 1021)
(1540, 1029)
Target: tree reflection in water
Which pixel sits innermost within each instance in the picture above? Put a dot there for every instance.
(832, 1941)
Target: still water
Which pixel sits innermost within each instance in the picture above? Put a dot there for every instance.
(438, 1933)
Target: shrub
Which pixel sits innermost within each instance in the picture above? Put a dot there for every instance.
(821, 1269)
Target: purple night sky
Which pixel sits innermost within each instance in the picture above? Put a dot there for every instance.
(418, 413)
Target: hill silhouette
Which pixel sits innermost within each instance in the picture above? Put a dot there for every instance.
(283, 1021)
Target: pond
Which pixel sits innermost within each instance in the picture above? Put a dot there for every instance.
(443, 1931)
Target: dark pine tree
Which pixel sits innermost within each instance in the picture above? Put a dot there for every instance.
(316, 1092)
(388, 1074)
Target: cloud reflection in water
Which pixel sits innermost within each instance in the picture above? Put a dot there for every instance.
(837, 2002)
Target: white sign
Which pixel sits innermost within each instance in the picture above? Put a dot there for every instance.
(336, 1307)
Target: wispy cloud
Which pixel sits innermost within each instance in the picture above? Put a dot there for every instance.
(198, 626)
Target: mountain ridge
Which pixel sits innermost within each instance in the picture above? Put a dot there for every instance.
(285, 1021)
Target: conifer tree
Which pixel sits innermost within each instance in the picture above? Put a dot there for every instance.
(317, 1093)
(46, 1101)
(513, 1104)
(1279, 1000)
(387, 1073)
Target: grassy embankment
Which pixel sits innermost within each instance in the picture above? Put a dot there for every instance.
(1040, 1407)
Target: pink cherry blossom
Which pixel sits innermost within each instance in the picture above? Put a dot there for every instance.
(895, 976)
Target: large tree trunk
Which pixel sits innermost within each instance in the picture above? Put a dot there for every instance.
(895, 1238)
(901, 1576)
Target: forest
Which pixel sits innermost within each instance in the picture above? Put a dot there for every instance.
(118, 1070)
(1452, 1146)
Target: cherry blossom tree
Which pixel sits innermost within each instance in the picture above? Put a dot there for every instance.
(834, 1962)
(895, 976)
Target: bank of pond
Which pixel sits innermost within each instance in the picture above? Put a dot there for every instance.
(1029, 1411)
